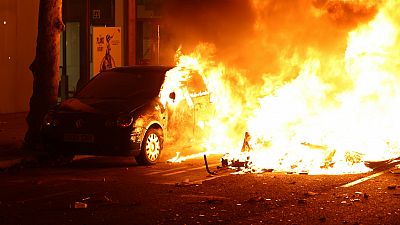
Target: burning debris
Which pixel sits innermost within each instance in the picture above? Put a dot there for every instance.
(243, 159)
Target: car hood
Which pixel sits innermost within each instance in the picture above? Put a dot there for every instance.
(104, 106)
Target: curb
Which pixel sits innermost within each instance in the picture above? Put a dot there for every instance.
(16, 161)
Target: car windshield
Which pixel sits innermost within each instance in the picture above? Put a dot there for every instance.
(123, 84)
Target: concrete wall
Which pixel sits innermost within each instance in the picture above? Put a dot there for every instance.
(18, 31)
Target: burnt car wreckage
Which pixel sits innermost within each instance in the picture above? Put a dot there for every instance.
(117, 113)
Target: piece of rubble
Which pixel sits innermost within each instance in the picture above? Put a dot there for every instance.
(366, 195)
(310, 193)
(302, 201)
(186, 182)
(80, 205)
(256, 199)
(392, 187)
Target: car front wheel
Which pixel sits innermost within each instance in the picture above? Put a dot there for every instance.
(151, 147)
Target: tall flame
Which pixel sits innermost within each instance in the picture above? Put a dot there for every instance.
(315, 122)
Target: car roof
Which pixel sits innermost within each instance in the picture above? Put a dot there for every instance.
(130, 69)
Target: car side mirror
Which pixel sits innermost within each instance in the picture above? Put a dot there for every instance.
(172, 95)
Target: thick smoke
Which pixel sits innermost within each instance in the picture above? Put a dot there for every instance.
(223, 23)
(348, 13)
(264, 36)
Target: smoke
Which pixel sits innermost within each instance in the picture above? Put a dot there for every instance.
(348, 13)
(223, 23)
(264, 36)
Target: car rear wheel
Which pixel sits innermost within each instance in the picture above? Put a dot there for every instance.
(151, 147)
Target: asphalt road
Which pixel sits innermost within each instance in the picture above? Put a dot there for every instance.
(107, 190)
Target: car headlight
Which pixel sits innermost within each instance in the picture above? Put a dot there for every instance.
(124, 121)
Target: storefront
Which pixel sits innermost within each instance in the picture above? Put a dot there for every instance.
(101, 34)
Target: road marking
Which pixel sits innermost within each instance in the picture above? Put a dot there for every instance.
(364, 179)
(165, 171)
(196, 182)
(191, 169)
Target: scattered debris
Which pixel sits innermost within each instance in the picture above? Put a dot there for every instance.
(302, 201)
(206, 199)
(98, 200)
(256, 199)
(310, 193)
(186, 183)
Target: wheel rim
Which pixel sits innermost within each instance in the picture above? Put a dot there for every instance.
(153, 147)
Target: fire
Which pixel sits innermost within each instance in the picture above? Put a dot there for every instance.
(315, 122)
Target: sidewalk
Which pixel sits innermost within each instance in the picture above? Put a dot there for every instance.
(12, 131)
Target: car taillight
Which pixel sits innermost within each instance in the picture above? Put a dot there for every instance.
(124, 121)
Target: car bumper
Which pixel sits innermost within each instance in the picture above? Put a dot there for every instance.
(110, 143)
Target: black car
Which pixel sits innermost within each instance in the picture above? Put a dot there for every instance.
(116, 113)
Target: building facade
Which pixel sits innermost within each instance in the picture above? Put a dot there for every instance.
(98, 34)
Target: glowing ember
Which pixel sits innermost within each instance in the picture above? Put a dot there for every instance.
(340, 109)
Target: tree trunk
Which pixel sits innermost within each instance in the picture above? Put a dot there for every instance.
(45, 68)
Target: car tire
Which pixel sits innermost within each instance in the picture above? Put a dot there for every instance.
(152, 145)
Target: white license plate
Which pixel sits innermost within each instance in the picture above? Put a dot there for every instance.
(84, 138)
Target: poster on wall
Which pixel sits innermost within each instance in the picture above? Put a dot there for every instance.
(106, 48)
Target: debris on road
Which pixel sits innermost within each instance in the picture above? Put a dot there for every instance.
(208, 199)
(187, 182)
(302, 201)
(80, 205)
(257, 199)
(310, 194)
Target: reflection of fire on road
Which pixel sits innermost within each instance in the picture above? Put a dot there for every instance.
(324, 111)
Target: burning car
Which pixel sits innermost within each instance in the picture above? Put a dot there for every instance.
(117, 113)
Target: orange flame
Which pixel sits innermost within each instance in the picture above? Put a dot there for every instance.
(315, 123)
